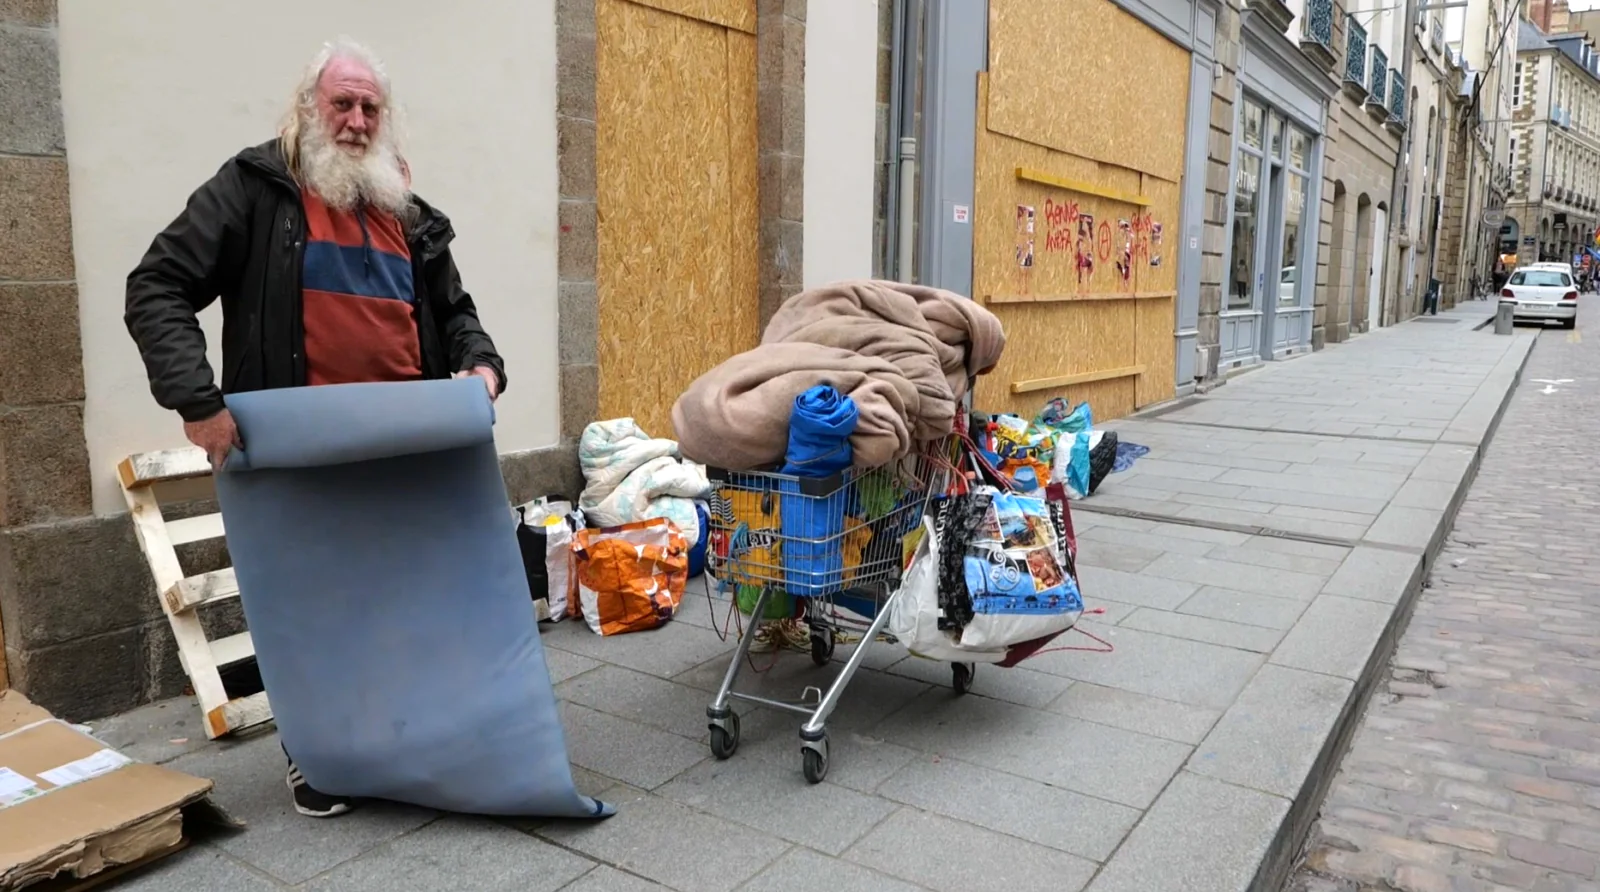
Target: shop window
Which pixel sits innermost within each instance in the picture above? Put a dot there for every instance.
(1246, 185)
(1299, 149)
(1294, 213)
(1252, 118)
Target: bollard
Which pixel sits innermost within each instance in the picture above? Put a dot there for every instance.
(1503, 317)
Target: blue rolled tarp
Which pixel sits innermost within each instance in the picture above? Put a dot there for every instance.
(372, 538)
(820, 426)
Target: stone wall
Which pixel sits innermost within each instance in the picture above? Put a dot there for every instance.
(781, 122)
(44, 463)
(1219, 155)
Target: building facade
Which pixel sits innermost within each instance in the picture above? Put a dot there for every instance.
(643, 183)
(1362, 153)
(1555, 146)
(1482, 49)
(1276, 257)
(1425, 101)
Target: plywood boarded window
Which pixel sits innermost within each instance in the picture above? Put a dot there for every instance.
(678, 228)
(1080, 153)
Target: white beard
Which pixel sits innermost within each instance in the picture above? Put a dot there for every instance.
(344, 180)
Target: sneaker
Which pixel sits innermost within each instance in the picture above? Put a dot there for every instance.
(311, 803)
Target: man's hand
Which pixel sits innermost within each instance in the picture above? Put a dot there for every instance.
(490, 380)
(217, 435)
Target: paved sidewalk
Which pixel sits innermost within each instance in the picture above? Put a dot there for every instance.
(1248, 567)
(1477, 766)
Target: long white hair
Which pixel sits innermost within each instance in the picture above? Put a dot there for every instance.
(378, 177)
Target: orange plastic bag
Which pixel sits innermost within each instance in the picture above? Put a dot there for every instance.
(631, 578)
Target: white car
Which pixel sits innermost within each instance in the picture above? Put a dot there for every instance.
(1543, 292)
(1555, 264)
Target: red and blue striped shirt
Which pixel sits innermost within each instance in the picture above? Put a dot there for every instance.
(358, 297)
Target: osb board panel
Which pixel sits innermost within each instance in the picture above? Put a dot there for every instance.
(676, 205)
(1155, 345)
(1047, 340)
(1086, 78)
(736, 14)
(744, 215)
(1045, 243)
(1114, 310)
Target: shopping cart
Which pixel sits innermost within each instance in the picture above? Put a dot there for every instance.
(834, 542)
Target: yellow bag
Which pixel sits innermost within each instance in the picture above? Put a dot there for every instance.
(631, 578)
(756, 558)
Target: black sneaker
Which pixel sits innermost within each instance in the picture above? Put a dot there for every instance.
(312, 803)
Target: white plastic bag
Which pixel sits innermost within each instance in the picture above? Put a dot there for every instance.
(914, 618)
(1071, 466)
(556, 521)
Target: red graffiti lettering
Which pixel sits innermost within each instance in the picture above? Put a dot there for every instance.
(1060, 221)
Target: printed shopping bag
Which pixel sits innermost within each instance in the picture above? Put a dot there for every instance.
(631, 578)
(1025, 451)
(957, 522)
(545, 528)
(914, 615)
(1058, 418)
(1017, 576)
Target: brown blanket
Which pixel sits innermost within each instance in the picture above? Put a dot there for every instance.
(873, 319)
(970, 336)
(736, 416)
(967, 339)
(904, 353)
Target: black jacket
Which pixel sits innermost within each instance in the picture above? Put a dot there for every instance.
(242, 238)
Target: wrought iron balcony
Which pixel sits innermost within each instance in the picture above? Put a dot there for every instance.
(1397, 97)
(1377, 73)
(1316, 40)
(1355, 55)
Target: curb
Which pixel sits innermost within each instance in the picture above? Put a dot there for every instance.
(1286, 850)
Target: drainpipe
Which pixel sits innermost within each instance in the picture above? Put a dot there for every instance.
(891, 172)
(905, 271)
(900, 214)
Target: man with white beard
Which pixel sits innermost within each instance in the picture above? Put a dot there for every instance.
(329, 271)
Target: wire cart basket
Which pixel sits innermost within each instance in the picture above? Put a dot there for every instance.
(833, 542)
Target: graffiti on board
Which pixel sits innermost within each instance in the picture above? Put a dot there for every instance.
(1093, 245)
(1025, 217)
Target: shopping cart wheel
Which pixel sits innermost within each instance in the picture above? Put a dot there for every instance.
(821, 646)
(725, 736)
(961, 676)
(814, 756)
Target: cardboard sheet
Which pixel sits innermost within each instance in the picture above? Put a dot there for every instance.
(71, 807)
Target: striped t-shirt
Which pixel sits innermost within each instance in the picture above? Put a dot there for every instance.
(357, 297)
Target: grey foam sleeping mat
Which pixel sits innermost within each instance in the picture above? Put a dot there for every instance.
(378, 567)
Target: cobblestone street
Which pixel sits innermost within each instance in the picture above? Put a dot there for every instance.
(1477, 765)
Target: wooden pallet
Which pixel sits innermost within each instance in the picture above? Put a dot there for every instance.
(182, 596)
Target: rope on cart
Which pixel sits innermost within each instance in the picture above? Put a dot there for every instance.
(733, 623)
(1105, 648)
